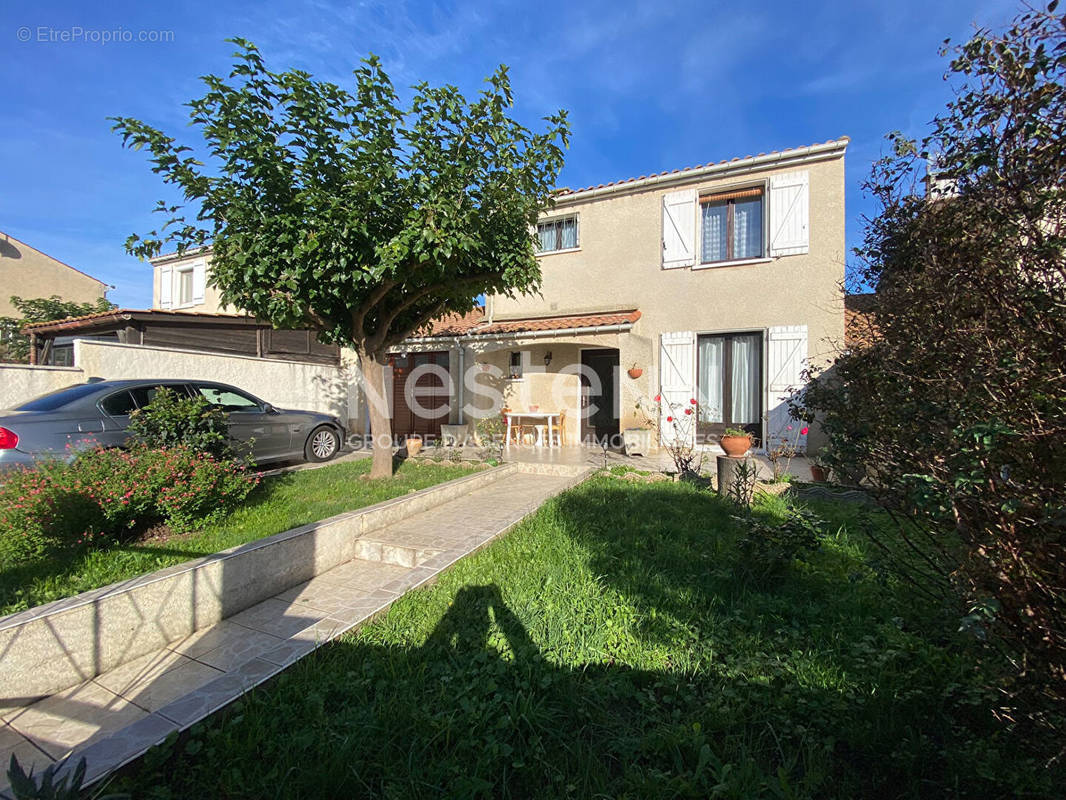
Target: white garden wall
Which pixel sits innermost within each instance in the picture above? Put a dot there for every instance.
(21, 382)
(286, 384)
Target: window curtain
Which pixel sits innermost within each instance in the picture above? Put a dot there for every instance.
(711, 354)
(745, 410)
(546, 235)
(747, 228)
(714, 232)
(569, 233)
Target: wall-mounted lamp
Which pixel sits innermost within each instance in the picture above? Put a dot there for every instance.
(548, 358)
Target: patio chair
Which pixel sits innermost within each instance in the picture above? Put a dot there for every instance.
(559, 429)
(516, 428)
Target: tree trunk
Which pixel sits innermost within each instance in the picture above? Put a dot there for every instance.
(373, 367)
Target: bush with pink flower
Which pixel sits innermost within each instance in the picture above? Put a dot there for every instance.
(107, 495)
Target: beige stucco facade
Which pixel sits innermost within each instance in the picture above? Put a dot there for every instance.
(30, 274)
(618, 264)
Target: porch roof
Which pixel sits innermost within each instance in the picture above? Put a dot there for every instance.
(470, 326)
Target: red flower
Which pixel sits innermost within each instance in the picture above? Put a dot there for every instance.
(688, 410)
(788, 428)
(669, 419)
(658, 397)
(803, 431)
(693, 401)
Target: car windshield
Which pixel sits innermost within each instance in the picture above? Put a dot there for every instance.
(60, 397)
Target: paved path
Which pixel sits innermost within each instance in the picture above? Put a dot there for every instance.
(116, 716)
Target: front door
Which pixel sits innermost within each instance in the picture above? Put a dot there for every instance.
(599, 393)
(419, 406)
(729, 377)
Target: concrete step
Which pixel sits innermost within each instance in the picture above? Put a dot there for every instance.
(115, 716)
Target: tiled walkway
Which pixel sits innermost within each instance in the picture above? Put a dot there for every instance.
(114, 717)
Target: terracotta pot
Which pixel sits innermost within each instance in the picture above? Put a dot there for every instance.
(818, 474)
(635, 372)
(735, 446)
(413, 446)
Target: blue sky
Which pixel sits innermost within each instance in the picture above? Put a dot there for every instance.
(650, 86)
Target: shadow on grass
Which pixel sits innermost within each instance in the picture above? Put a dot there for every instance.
(612, 647)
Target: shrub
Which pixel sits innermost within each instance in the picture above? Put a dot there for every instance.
(954, 414)
(173, 420)
(104, 495)
(769, 544)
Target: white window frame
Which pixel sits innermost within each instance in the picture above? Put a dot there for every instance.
(734, 262)
(180, 274)
(553, 221)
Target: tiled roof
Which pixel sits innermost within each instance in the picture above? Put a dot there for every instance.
(457, 324)
(860, 320)
(88, 320)
(471, 326)
(566, 192)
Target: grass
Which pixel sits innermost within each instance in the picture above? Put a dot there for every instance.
(613, 646)
(279, 503)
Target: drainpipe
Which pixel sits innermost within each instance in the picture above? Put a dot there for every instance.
(462, 378)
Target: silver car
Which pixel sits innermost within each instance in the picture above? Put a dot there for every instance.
(98, 412)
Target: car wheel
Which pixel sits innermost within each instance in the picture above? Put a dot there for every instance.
(323, 444)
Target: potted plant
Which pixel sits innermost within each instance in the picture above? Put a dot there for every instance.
(635, 372)
(735, 441)
(413, 445)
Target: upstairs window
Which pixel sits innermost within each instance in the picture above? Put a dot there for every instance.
(185, 290)
(557, 234)
(731, 226)
(516, 366)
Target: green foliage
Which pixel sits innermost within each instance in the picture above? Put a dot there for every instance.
(174, 420)
(278, 504)
(107, 495)
(343, 210)
(612, 646)
(955, 415)
(16, 347)
(770, 544)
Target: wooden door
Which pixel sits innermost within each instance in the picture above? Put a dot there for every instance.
(430, 390)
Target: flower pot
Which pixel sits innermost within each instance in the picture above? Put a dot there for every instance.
(735, 446)
(413, 446)
(636, 441)
(635, 372)
(818, 474)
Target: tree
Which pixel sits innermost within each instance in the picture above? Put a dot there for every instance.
(16, 347)
(349, 213)
(955, 415)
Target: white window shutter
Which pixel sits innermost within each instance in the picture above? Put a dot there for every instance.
(790, 214)
(679, 229)
(166, 287)
(677, 381)
(787, 358)
(199, 282)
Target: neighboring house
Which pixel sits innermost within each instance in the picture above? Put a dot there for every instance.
(719, 283)
(226, 334)
(28, 273)
(860, 320)
(179, 282)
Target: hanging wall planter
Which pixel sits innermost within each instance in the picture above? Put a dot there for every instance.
(635, 372)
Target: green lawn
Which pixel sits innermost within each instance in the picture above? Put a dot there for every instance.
(279, 503)
(611, 646)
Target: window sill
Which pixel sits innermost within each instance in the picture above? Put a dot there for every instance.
(738, 263)
(558, 252)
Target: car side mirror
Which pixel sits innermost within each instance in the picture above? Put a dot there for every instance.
(269, 409)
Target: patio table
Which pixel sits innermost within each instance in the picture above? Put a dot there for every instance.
(549, 417)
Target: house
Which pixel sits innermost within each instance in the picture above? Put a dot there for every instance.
(719, 283)
(28, 273)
